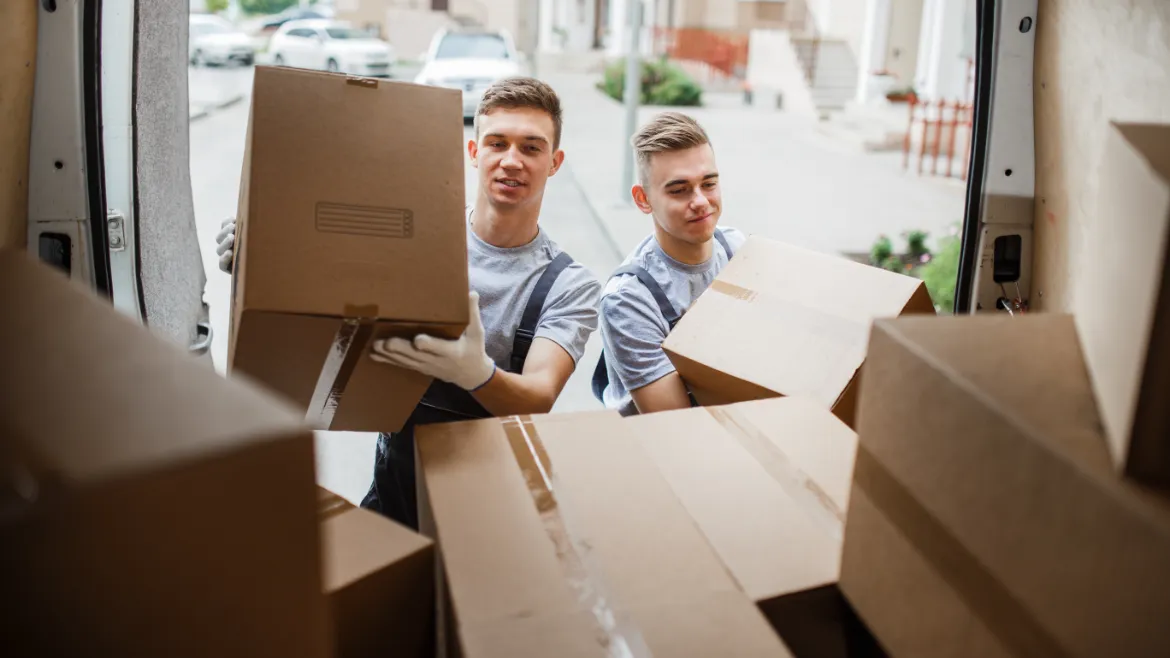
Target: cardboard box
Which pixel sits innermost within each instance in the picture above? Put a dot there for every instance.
(986, 518)
(559, 537)
(1123, 299)
(767, 483)
(380, 580)
(781, 320)
(351, 229)
(148, 507)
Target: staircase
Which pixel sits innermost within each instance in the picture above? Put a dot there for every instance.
(830, 70)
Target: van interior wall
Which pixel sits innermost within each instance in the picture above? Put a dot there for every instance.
(18, 33)
(1096, 61)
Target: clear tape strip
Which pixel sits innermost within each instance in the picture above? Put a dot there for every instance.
(620, 637)
(795, 482)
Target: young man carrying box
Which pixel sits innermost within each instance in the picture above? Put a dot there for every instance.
(532, 308)
(678, 186)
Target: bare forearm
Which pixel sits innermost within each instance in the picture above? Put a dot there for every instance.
(509, 394)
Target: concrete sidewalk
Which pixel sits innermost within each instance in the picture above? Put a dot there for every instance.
(782, 177)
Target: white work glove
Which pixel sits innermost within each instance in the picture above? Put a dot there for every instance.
(463, 362)
(225, 244)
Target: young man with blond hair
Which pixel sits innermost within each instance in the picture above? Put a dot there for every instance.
(532, 308)
(678, 186)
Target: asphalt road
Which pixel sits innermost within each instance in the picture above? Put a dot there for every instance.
(217, 150)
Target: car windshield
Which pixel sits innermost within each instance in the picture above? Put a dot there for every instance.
(476, 46)
(346, 33)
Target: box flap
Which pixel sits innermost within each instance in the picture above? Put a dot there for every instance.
(62, 344)
(562, 513)
(336, 221)
(1122, 299)
(792, 321)
(357, 542)
(783, 470)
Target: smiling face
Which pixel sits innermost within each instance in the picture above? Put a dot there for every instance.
(681, 190)
(515, 153)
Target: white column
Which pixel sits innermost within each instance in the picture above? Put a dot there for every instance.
(618, 34)
(548, 40)
(874, 41)
(926, 50)
(943, 71)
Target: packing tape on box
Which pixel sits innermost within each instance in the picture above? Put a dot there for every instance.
(348, 346)
(621, 637)
(986, 597)
(795, 482)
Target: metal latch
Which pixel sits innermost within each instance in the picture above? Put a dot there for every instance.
(116, 226)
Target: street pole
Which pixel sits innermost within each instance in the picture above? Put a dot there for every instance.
(632, 92)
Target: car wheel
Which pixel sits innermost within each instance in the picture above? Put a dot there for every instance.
(277, 60)
(332, 66)
(197, 58)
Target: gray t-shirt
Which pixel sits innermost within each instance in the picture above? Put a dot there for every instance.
(632, 327)
(505, 278)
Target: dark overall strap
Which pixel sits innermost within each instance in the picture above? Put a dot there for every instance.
(526, 332)
(665, 307)
(723, 242)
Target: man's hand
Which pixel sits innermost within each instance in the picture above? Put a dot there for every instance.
(225, 244)
(463, 362)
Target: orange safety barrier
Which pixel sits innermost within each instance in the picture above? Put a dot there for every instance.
(937, 126)
(723, 51)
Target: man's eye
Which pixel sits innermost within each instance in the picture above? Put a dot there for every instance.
(533, 149)
(677, 191)
(710, 185)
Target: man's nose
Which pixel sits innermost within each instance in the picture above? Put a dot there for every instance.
(511, 159)
(700, 201)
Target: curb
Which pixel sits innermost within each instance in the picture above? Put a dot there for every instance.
(595, 212)
(207, 110)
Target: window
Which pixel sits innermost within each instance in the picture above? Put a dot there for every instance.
(476, 46)
(346, 33)
(302, 32)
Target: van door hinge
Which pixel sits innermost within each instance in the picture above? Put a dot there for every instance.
(116, 225)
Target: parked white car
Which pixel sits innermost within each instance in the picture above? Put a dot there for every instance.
(470, 61)
(213, 40)
(330, 45)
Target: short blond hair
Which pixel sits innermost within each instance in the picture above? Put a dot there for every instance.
(522, 92)
(669, 131)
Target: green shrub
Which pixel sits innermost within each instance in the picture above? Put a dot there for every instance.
(266, 6)
(916, 244)
(941, 274)
(662, 83)
(882, 249)
(215, 6)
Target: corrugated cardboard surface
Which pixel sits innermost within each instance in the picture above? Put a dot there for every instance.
(1125, 329)
(781, 320)
(150, 507)
(611, 541)
(351, 206)
(768, 482)
(379, 577)
(986, 517)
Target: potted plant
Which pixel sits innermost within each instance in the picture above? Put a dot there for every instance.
(903, 95)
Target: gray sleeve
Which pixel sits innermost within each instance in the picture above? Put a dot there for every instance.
(735, 238)
(633, 330)
(570, 312)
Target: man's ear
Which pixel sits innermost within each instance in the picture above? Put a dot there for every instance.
(557, 160)
(472, 151)
(640, 199)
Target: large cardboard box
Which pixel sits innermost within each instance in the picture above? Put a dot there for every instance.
(148, 507)
(781, 320)
(559, 537)
(351, 229)
(380, 580)
(986, 518)
(767, 483)
(1123, 299)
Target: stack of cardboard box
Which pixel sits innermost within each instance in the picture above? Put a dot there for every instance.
(150, 507)
(350, 229)
(1010, 494)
